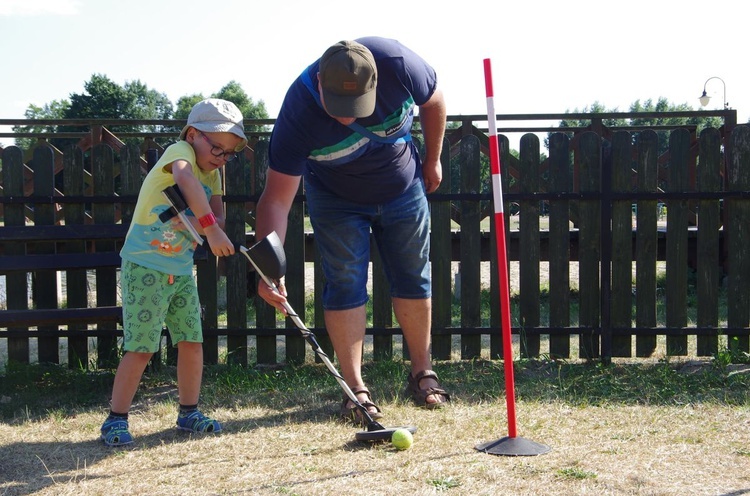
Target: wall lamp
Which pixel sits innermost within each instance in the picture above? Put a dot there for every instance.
(704, 99)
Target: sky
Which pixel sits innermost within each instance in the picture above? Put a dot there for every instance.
(547, 56)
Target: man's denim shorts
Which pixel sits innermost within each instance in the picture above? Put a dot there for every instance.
(401, 230)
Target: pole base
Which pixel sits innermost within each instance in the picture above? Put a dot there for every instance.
(513, 446)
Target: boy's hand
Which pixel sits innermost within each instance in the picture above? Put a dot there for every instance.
(220, 244)
(176, 223)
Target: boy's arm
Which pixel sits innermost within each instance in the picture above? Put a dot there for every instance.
(195, 197)
(191, 188)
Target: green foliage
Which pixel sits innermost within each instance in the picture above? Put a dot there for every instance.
(731, 354)
(102, 98)
(596, 108)
(31, 391)
(661, 105)
(445, 483)
(575, 473)
(185, 103)
(54, 110)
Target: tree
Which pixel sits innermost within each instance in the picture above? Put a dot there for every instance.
(105, 99)
(53, 110)
(596, 108)
(662, 105)
(102, 98)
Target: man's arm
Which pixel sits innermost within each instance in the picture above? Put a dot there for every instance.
(432, 118)
(271, 214)
(273, 207)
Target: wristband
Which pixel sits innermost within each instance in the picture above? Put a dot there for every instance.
(207, 220)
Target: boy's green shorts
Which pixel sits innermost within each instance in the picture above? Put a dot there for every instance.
(151, 299)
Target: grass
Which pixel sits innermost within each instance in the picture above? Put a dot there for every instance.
(666, 426)
(37, 389)
(623, 428)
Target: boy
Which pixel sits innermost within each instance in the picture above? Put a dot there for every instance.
(157, 264)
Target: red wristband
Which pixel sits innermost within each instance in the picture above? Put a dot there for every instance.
(207, 220)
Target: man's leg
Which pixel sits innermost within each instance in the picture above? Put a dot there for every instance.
(346, 328)
(415, 318)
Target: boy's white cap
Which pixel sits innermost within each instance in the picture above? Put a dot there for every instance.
(214, 115)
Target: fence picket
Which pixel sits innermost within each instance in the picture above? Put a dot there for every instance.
(589, 162)
(382, 309)
(738, 239)
(646, 242)
(622, 244)
(496, 338)
(235, 268)
(470, 248)
(44, 282)
(15, 215)
(76, 283)
(528, 246)
(559, 245)
(677, 239)
(265, 314)
(440, 254)
(294, 247)
(708, 265)
(102, 171)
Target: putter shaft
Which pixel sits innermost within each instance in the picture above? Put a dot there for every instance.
(310, 338)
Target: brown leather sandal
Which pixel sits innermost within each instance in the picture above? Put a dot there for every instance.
(420, 395)
(352, 413)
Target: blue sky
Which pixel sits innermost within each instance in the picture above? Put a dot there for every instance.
(547, 56)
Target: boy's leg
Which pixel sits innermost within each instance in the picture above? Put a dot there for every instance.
(127, 379)
(145, 300)
(184, 323)
(114, 431)
(189, 371)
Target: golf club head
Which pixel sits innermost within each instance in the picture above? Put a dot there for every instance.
(268, 254)
(381, 434)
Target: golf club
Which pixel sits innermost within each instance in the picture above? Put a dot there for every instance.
(269, 260)
(173, 195)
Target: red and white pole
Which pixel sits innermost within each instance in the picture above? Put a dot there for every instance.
(502, 256)
(512, 445)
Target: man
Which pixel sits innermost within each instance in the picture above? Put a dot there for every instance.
(345, 125)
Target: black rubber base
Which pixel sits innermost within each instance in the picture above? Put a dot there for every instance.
(513, 446)
(381, 434)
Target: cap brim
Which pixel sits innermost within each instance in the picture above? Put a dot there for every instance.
(218, 127)
(350, 106)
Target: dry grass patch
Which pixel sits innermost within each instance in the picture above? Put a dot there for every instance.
(623, 429)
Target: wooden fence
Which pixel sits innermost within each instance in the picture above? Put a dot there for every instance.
(600, 192)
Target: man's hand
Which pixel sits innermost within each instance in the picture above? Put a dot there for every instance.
(274, 298)
(433, 175)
